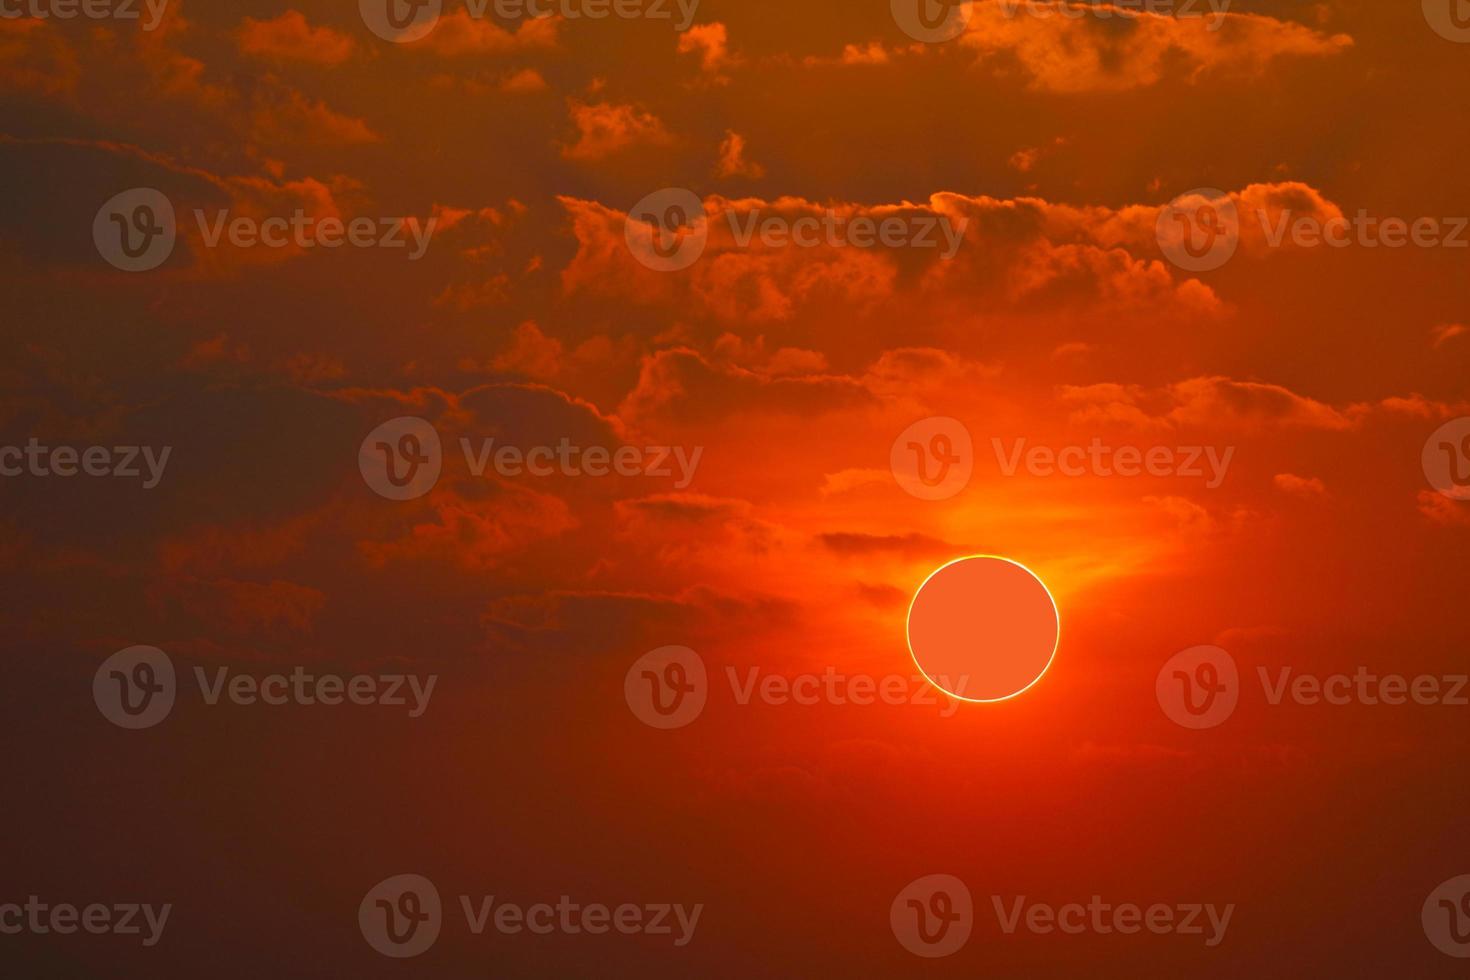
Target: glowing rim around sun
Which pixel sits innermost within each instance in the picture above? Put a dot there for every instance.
(909, 616)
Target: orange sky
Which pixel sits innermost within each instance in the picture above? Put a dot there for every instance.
(1055, 142)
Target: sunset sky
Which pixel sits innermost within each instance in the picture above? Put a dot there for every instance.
(791, 544)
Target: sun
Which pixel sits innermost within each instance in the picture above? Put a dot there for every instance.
(983, 628)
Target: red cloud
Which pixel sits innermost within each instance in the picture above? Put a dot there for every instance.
(604, 129)
(458, 34)
(1110, 49)
(290, 38)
